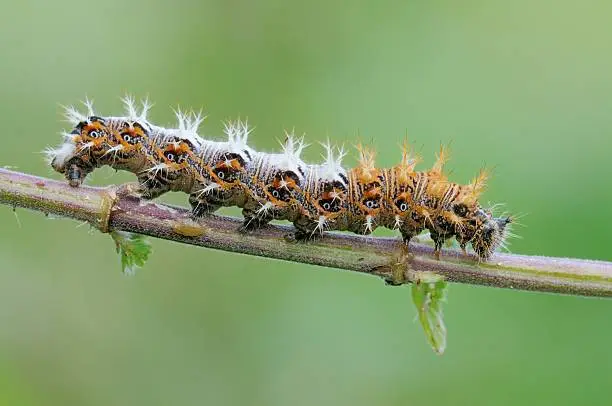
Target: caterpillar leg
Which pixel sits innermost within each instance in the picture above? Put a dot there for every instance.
(406, 237)
(307, 235)
(201, 207)
(438, 243)
(301, 236)
(253, 220)
(306, 229)
(361, 229)
(152, 187)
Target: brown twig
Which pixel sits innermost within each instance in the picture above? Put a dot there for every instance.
(113, 209)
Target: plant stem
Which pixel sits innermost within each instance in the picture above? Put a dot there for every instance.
(113, 208)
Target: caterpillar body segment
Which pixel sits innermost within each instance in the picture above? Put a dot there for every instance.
(272, 184)
(365, 191)
(221, 171)
(404, 195)
(324, 199)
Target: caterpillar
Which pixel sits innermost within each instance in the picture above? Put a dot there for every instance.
(280, 186)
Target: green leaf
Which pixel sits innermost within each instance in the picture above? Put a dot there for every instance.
(133, 248)
(428, 294)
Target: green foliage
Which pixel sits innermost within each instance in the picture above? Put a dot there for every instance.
(521, 86)
(428, 294)
(133, 248)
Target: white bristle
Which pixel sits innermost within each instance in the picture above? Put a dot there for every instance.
(188, 125)
(60, 155)
(331, 169)
(289, 159)
(146, 106)
(73, 116)
(89, 105)
(237, 135)
(130, 107)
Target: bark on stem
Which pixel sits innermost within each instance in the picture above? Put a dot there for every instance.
(111, 209)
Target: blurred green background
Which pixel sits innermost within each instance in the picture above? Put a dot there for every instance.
(524, 86)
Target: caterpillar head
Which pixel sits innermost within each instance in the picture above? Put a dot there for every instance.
(83, 148)
(90, 137)
(490, 235)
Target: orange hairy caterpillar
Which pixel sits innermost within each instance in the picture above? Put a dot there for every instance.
(267, 186)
